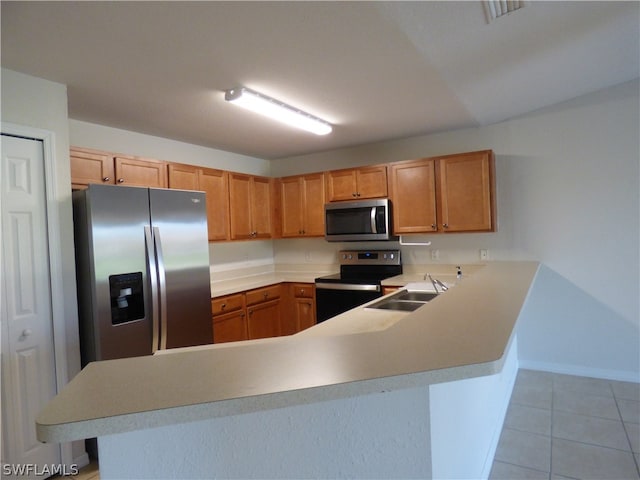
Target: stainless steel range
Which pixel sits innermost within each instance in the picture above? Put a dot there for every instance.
(359, 281)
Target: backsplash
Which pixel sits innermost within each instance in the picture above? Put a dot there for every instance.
(238, 259)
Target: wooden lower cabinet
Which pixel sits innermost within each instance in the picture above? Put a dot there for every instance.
(390, 289)
(229, 318)
(230, 327)
(275, 310)
(263, 320)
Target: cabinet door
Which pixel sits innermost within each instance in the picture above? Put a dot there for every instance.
(215, 183)
(263, 320)
(140, 173)
(371, 182)
(413, 194)
(240, 206)
(292, 199)
(231, 327)
(466, 191)
(314, 200)
(90, 166)
(305, 313)
(341, 185)
(261, 207)
(183, 177)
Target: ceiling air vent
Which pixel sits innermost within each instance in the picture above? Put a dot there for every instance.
(498, 8)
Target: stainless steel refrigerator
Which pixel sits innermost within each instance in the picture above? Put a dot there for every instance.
(142, 262)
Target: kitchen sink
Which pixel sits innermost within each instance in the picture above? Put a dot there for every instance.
(413, 296)
(405, 301)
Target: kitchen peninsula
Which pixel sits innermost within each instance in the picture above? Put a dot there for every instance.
(402, 398)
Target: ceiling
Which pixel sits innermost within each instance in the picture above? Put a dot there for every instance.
(376, 70)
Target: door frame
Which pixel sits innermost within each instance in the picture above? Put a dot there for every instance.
(56, 279)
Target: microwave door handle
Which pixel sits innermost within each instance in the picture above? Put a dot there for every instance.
(374, 228)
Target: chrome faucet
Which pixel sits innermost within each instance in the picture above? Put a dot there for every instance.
(435, 283)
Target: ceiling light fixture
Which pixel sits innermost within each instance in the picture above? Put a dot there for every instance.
(276, 110)
(498, 8)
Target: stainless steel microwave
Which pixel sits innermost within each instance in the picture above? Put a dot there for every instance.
(361, 220)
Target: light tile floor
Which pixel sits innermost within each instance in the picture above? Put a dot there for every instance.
(567, 427)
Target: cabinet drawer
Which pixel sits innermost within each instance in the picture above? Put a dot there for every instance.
(303, 290)
(227, 304)
(263, 294)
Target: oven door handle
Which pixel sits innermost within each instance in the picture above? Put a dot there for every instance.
(348, 286)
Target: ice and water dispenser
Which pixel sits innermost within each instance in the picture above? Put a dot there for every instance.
(127, 297)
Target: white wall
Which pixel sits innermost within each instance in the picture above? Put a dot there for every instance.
(37, 103)
(568, 195)
(90, 135)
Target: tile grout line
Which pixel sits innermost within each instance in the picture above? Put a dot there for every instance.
(553, 414)
(624, 428)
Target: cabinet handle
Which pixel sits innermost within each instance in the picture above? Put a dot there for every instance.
(25, 333)
(302, 291)
(445, 225)
(106, 179)
(357, 194)
(354, 194)
(223, 306)
(121, 180)
(266, 294)
(250, 312)
(434, 226)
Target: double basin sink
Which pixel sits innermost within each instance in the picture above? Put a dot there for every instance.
(404, 300)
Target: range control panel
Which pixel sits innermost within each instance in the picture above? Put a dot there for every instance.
(369, 257)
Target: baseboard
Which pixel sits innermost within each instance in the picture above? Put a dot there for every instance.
(581, 371)
(82, 460)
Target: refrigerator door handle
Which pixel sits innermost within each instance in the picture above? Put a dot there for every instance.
(162, 280)
(153, 276)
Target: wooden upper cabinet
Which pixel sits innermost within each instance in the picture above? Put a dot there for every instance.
(302, 205)
(292, 198)
(183, 177)
(466, 186)
(139, 172)
(357, 183)
(93, 166)
(250, 206)
(261, 204)
(215, 183)
(447, 194)
(412, 189)
(90, 166)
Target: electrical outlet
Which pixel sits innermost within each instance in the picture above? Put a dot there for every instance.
(435, 254)
(484, 254)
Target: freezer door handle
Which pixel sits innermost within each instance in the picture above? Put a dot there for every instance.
(162, 280)
(153, 276)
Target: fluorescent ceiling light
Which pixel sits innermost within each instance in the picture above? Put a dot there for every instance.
(269, 107)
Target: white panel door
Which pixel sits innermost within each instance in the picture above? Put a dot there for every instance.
(28, 362)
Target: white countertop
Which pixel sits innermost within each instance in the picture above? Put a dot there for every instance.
(461, 334)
